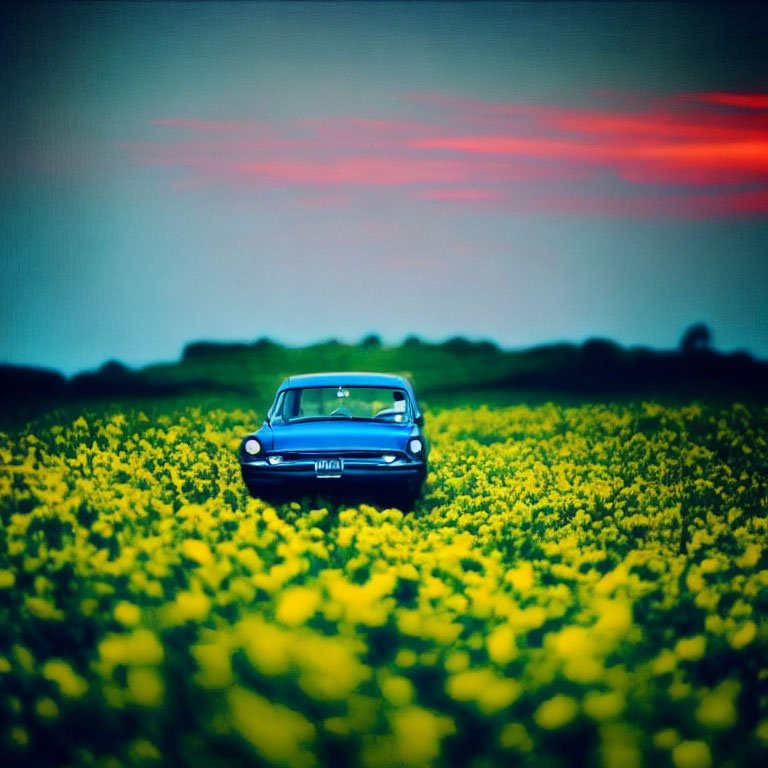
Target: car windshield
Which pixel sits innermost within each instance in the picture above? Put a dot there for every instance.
(375, 403)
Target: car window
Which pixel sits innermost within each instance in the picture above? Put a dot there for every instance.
(379, 403)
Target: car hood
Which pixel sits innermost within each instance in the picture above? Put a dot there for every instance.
(340, 434)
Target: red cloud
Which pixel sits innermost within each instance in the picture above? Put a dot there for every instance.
(461, 193)
(203, 126)
(354, 171)
(686, 155)
(743, 100)
(664, 206)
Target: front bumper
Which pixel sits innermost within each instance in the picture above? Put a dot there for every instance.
(404, 475)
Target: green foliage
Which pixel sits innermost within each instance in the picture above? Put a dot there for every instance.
(581, 585)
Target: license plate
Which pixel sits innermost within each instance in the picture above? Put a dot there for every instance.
(328, 467)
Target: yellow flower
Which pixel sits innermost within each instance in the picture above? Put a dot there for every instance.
(418, 624)
(188, 606)
(614, 618)
(296, 605)
(127, 614)
(141, 648)
(330, 669)
(501, 645)
(514, 736)
(60, 672)
(280, 735)
(197, 550)
(603, 706)
(397, 690)
(489, 691)
(24, 658)
(143, 751)
(145, 686)
(556, 712)
(743, 636)
(664, 663)
(577, 647)
(19, 736)
(750, 557)
(521, 577)
(47, 708)
(417, 735)
(265, 645)
(716, 711)
(572, 642)
(619, 746)
(691, 648)
(215, 663)
(359, 603)
(43, 609)
(7, 579)
(336, 725)
(456, 661)
(666, 738)
(691, 754)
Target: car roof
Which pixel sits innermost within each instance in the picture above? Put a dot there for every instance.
(347, 379)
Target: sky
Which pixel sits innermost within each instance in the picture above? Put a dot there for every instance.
(526, 173)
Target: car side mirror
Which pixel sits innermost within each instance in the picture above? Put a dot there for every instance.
(419, 419)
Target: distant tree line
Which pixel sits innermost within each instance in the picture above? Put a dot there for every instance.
(113, 379)
(596, 366)
(602, 366)
(198, 349)
(456, 345)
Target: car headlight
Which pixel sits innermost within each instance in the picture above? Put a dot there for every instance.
(415, 445)
(252, 446)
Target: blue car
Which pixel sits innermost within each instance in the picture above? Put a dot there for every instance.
(358, 433)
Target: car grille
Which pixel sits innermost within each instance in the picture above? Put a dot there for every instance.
(350, 455)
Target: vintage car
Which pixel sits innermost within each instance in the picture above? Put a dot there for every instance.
(325, 433)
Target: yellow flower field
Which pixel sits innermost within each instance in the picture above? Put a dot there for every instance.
(580, 586)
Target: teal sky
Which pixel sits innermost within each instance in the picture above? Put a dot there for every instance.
(525, 173)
